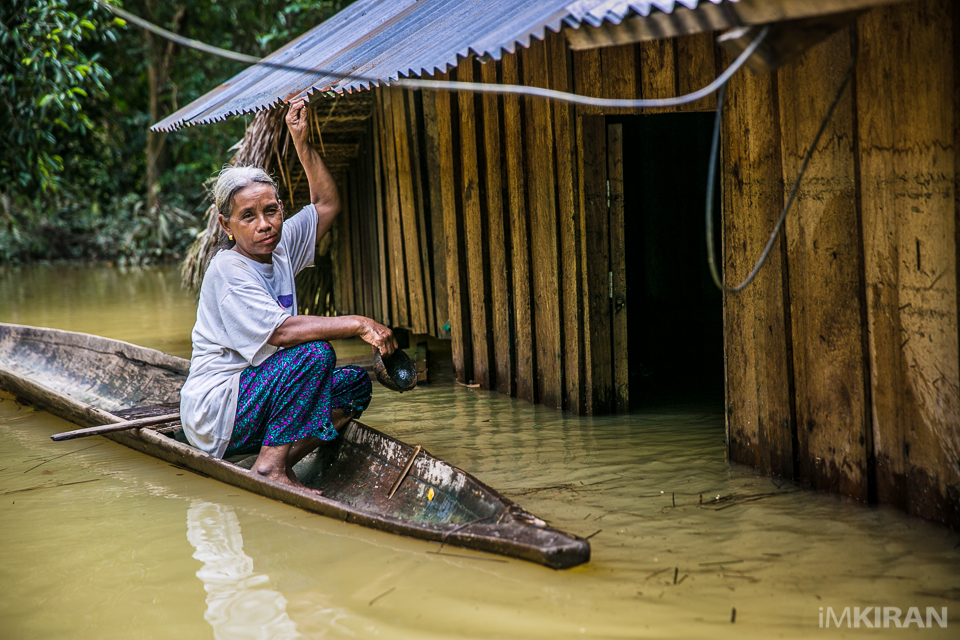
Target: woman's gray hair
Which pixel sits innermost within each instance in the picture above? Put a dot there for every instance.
(231, 180)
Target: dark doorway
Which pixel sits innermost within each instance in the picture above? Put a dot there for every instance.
(674, 311)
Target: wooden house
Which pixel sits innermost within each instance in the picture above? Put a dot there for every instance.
(560, 248)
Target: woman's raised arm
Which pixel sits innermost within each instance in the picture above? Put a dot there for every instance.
(323, 189)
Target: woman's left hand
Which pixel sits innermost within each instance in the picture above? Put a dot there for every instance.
(297, 120)
(378, 336)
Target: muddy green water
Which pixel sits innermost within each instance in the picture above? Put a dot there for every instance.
(99, 541)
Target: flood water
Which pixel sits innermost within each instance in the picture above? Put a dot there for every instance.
(100, 541)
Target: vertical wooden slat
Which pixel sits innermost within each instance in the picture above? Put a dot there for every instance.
(336, 289)
(592, 142)
(356, 241)
(394, 228)
(618, 268)
(346, 246)
(906, 122)
(421, 204)
(657, 71)
(569, 226)
(514, 136)
(760, 424)
(620, 75)
(825, 274)
(371, 186)
(543, 224)
(360, 200)
(595, 246)
(434, 171)
(376, 134)
(473, 228)
(496, 226)
(696, 68)
(457, 302)
(417, 317)
(588, 78)
(367, 229)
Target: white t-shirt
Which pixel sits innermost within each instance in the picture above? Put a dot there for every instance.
(242, 302)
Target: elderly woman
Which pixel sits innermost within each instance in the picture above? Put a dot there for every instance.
(261, 376)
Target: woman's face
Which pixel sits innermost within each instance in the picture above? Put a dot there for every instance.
(256, 222)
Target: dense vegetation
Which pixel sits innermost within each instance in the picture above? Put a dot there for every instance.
(81, 176)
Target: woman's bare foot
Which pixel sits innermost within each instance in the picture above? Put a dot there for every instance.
(271, 464)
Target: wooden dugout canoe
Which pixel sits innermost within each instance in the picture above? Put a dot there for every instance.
(90, 380)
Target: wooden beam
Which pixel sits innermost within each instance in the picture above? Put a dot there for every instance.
(592, 143)
(785, 42)
(376, 136)
(417, 318)
(514, 135)
(372, 185)
(759, 377)
(448, 131)
(541, 196)
(497, 224)
(564, 121)
(907, 120)
(620, 75)
(434, 171)
(707, 17)
(588, 78)
(825, 264)
(356, 242)
(346, 246)
(657, 26)
(658, 78)
(696, 68)
(394, 228)
(618, 270)
(421, 206)
(475, 239)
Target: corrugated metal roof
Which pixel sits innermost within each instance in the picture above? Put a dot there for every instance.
(384, 39)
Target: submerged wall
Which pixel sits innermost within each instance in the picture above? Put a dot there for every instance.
(842, 358)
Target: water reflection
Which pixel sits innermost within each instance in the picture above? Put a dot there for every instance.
(240, 603)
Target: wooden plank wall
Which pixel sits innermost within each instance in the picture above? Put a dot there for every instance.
(521, 187)
(907, 131)
(484, 219)
(497, 219)
(842, 360)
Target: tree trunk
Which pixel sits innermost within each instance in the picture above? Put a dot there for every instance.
(159, 57)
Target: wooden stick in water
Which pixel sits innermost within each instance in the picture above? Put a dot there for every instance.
(403, 474)
(116, 426)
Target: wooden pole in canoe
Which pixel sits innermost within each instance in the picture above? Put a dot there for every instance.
(403, 474)
(116, 426)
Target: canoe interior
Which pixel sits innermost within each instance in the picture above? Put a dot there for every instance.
(357, 469)
(360, 467)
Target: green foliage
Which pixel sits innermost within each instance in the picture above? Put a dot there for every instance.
(75, 104)
(50, 73)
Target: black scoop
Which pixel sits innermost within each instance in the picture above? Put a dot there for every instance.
(396, 371)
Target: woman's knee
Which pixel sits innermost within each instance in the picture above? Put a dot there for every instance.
(356, 380)
(317, 353)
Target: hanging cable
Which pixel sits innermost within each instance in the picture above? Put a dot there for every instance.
(444, 85)
(711, 174)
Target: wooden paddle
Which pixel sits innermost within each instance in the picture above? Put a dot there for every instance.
(116, 426)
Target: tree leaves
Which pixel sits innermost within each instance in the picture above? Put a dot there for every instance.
(49, 76)
(74, 108)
